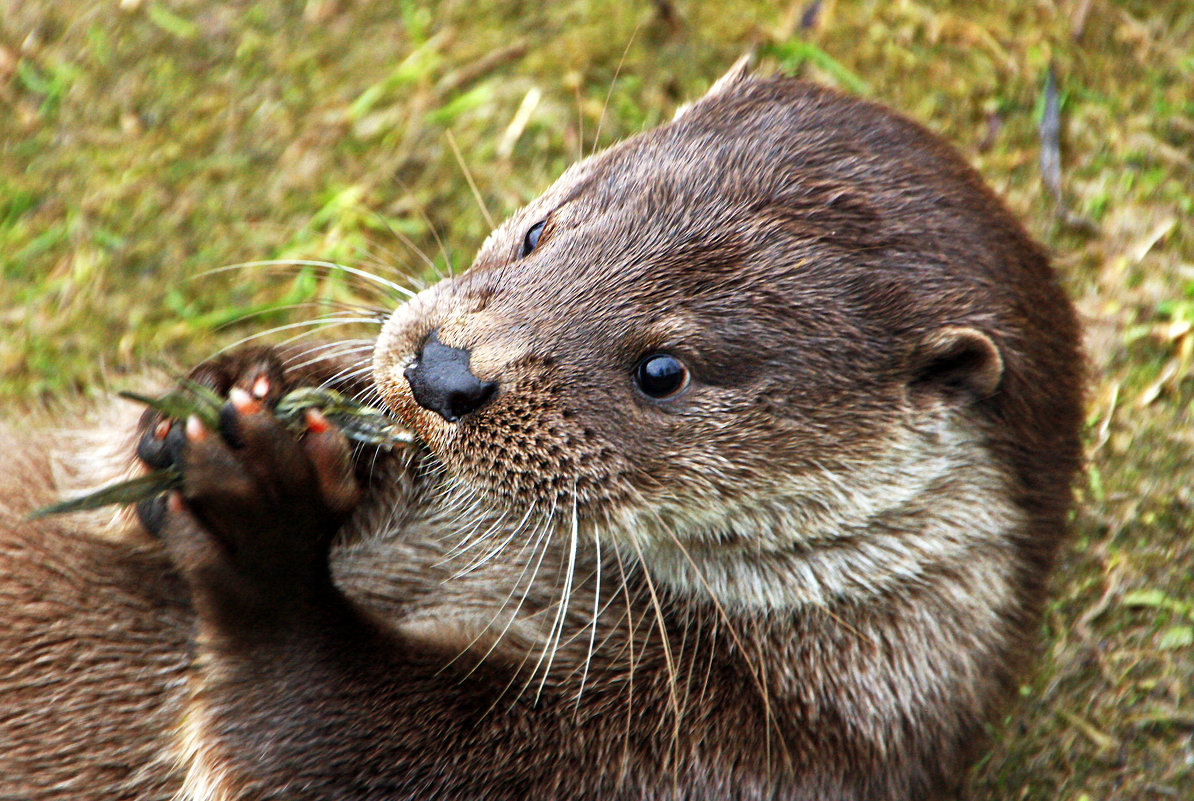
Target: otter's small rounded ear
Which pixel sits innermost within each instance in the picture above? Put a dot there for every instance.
(737, 73)
(958, 363)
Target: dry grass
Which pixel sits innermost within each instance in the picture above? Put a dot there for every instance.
(144, 143)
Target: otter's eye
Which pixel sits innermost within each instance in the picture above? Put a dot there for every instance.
(661, 375)
(531, 240)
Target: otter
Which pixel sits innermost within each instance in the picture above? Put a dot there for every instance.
(742, 459)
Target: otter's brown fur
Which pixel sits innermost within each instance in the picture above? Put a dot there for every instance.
(814, 573)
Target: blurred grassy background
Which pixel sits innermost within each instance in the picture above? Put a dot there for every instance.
(145, 142)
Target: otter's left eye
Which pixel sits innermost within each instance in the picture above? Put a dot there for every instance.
(661, 376)
(531, 240)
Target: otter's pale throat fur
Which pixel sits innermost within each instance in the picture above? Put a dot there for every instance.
(744, 455)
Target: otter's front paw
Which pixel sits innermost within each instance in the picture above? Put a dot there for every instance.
(251, 526)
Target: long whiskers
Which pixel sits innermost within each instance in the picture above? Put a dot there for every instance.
(409, 244)
(661, 626)
(537, 539)
(467, 543)
(541, 542)
(550, 649)
(484, 558)
(631, 628)
(752, 666)
(373, 279)
(354, 354)
(596, 611)
(373, 312)
(306, 327)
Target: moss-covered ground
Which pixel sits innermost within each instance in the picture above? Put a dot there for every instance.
(144, 143)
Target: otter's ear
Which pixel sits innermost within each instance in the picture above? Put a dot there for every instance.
(957, 363)
(736, 74)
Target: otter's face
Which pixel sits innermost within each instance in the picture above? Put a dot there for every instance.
(638, 337)
(698, 333)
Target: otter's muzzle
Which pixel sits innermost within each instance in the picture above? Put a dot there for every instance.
(440, 381)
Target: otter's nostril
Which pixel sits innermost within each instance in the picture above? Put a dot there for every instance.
(440, 381)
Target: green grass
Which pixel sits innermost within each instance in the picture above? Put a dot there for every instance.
(141, 148)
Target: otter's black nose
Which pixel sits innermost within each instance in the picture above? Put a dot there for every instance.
(440, 381)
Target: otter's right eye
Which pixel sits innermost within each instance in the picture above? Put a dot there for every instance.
(661, 375)
(531, 240)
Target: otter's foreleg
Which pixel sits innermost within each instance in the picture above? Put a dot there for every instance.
(297, 692)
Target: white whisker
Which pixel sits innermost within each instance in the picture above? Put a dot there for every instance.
(314, 326)
(596, 612)
(326, 265)
(565, 599)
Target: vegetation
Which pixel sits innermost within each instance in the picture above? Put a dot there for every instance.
(144, 143)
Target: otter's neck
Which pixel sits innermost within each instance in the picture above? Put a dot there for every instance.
(934, 509)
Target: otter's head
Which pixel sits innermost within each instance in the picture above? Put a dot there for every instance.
(786, 326)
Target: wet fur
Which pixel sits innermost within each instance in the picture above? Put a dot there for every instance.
(816, 579)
